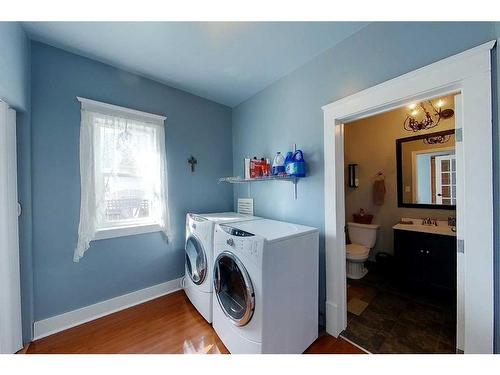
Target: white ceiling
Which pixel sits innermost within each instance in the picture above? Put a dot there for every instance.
(227, 62)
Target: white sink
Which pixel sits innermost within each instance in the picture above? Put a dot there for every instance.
(439, 229)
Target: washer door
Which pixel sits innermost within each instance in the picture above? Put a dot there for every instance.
(196, 260)
(234, 289)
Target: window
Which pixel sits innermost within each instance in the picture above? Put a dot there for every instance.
(123, 173)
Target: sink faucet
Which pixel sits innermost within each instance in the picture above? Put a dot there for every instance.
(429, 221)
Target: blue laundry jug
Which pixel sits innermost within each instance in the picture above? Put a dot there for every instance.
(297, 167)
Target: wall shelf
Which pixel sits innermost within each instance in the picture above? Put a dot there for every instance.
(240, 180)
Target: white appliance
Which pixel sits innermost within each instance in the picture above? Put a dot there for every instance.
(266, 286)
(199, 257)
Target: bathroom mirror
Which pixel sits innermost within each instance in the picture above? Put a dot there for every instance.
(426, 170)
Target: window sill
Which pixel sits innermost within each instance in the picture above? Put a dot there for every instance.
(103, 234)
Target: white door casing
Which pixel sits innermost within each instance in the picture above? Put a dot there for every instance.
(460, 222)
(468, 73)
(10, 294)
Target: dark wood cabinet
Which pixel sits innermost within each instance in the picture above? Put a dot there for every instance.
(426, 260)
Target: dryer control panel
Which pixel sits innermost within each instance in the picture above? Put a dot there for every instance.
(238, 241)
(235, 232)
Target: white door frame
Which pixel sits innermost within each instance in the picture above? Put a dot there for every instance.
(470, 74)
(10, 292)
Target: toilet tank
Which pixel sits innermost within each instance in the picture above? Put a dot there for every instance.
(363, 234)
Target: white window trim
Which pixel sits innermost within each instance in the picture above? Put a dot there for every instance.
(114, 232)
(133, 228)
(115, 110)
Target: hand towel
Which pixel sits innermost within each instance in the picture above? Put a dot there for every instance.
(378, 192)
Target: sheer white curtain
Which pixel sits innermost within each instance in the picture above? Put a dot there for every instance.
(123, 173)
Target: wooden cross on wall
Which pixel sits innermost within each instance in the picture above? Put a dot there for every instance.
(193, 162)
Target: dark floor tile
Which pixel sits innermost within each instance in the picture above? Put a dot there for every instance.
(413, 337)
(448, 334)
(389, 304)
(369, 338)
(395, 347)
(424, 317)
(401, 320)
(444, 347)
(350, 316)
(377, 319)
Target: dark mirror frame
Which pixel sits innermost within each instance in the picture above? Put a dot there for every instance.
(399, 161)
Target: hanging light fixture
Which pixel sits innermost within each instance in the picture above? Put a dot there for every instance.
(430, 120)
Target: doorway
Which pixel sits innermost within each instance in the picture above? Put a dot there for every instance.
(468, 73)
(404, 299)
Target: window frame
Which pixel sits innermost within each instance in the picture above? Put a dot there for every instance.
(138, 226)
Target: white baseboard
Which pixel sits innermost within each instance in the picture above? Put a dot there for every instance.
(54, 324)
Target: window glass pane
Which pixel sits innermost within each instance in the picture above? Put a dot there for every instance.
(128, 164)
(445, 165)
(446, 191)
(445, 178)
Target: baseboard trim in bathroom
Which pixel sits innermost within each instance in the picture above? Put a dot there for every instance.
(54, 324)
(356, 345)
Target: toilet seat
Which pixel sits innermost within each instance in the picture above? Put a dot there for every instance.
(357, 252)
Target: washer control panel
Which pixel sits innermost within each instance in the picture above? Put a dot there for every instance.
(239, 241)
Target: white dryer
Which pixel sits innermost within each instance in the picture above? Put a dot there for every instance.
(199, 257)
(266, 286)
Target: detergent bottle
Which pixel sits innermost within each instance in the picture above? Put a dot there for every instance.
(288, 161)
(278, 164)
(297, 167)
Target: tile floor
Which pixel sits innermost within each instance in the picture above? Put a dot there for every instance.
(395, 320)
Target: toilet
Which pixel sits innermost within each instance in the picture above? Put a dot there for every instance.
(363, 238)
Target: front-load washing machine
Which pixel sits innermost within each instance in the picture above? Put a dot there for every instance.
(266, 286)
(199, 257)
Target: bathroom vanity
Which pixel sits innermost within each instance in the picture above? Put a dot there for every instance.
(426, 256)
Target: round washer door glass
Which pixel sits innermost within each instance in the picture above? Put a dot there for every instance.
(196, 260)
(233, 288)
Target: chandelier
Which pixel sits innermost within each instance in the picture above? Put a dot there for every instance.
(430, 120)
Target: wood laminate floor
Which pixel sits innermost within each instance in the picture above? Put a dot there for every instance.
(168, 324)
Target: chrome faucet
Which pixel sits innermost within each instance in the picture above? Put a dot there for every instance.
(429, 221)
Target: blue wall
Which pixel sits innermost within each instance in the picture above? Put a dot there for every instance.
(113, 267)
(289, 111)
(14, 63)
(15, 90)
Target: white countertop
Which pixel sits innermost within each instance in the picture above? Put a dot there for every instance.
(440, 229)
